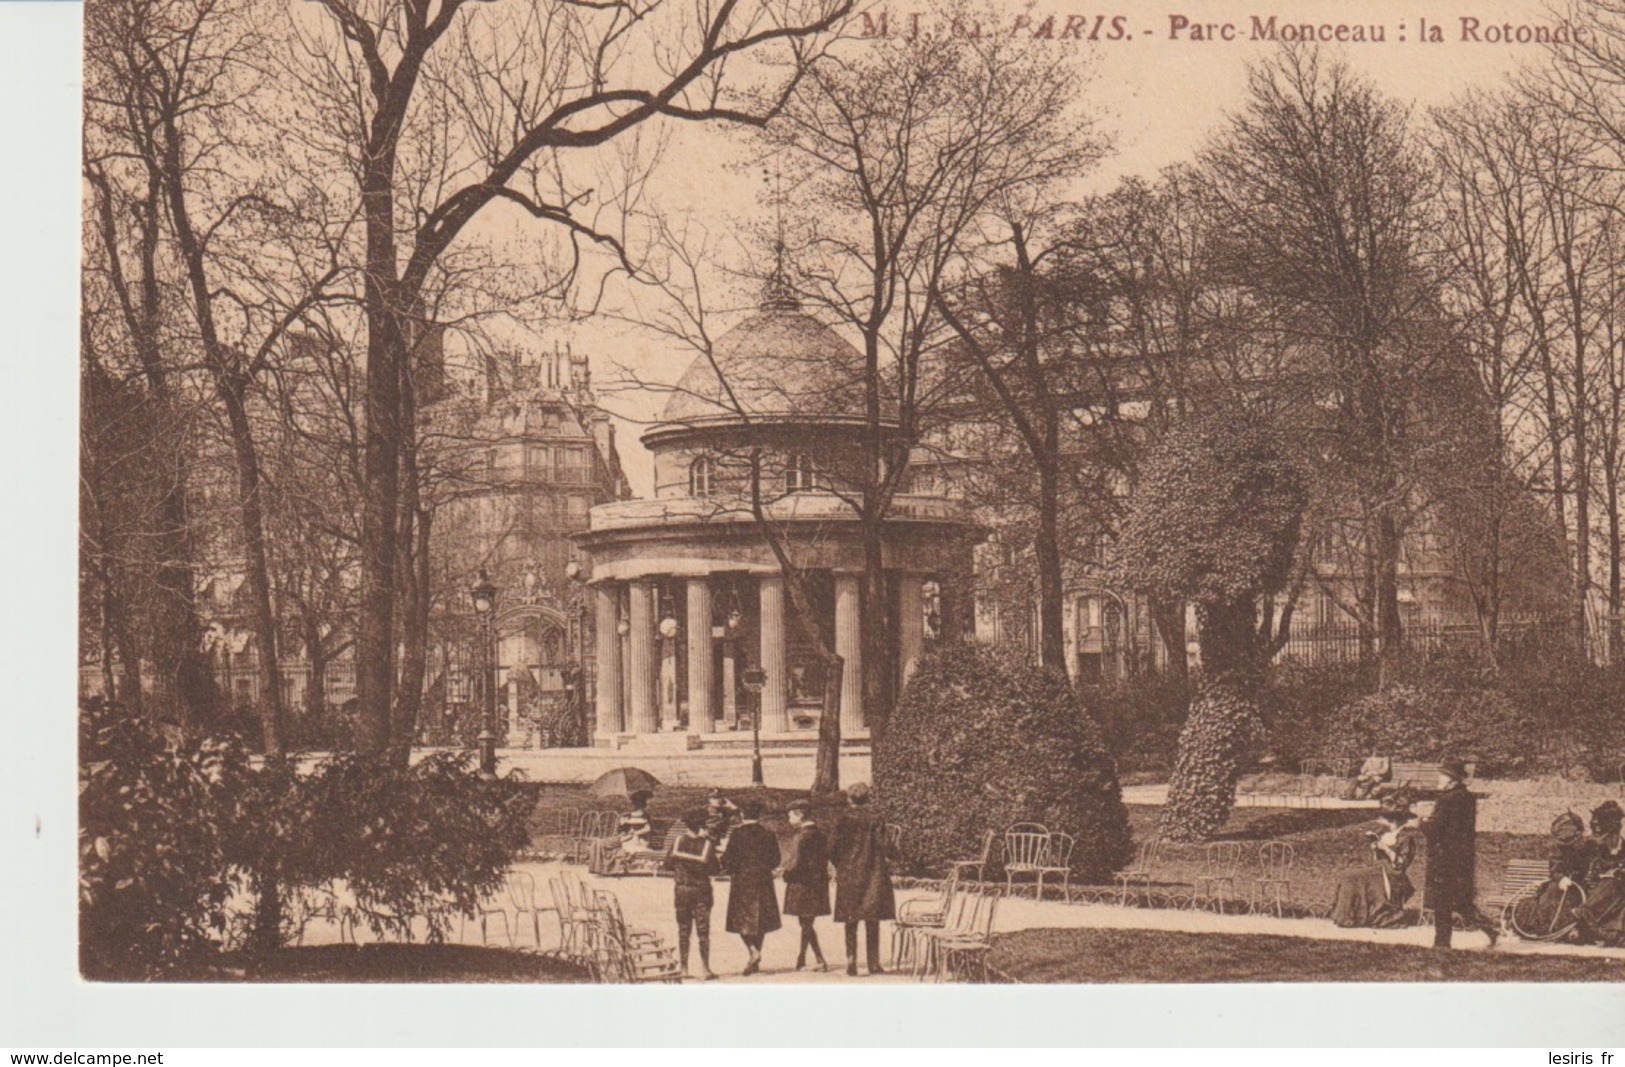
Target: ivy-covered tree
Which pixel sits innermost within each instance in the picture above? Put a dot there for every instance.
(1215, 520)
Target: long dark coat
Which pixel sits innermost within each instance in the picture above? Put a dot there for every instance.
(753, 853)
(1451, 834)
(862, 873)
(806, 873)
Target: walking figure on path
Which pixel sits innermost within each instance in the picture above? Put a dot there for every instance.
(1451, 833)
(806, 881)
(863, 892)
(692, 859)
(752, 857)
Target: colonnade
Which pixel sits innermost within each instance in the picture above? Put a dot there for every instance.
(628, 651)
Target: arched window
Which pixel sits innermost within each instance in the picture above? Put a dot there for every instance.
(701, 474)
(800, 474)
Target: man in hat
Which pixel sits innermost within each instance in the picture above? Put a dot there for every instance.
(1451, 833)
(863, 892)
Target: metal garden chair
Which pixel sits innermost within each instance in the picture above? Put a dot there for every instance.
(960, 867)
(963, 956)
(1026, 846)
(1221, 865)
(1141, 871)
(1276, 860)
(921, 913)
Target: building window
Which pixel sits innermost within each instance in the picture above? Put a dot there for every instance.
(701, 477)
(800, 475)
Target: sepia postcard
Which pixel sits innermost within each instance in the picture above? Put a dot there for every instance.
(851, 494)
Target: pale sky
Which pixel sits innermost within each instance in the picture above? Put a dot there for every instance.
(1158, 97)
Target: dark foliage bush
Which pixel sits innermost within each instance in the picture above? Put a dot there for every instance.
(152, 835)
(423, 842)
(1222, 729)
(1141, 720)
(170, 829)
(1300, 700)
(1421, 722)
(981, 740)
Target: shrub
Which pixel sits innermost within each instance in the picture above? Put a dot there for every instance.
(1430, 723)
(1141, 720)
(422, 842)
(981, 740)
(1300, 701)
(152, 830)
(1222, 727)
(168, 829)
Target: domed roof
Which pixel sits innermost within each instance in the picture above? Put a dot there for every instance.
(779, 363)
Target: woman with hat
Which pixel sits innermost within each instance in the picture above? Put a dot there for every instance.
(1602, 916)
(1568, 860)
(1375, 895)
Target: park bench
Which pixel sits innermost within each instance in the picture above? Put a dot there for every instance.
(1520, 878)
(1422, 777)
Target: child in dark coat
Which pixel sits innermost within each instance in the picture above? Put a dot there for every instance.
(753, 907)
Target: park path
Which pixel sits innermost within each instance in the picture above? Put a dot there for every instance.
(647, 903)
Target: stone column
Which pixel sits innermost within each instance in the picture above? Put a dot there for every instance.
(607, 602)
(775, 710)
(730, 687)
(700, 668)
(910, 626)
(849, 646)
(642, 711)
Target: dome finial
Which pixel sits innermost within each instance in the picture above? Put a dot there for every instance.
(777, 293)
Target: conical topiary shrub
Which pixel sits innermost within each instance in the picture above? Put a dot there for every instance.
(981, 740)
(1222, 725)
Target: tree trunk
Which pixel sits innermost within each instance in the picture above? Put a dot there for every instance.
(1050, 585)
(251, 517)
(1582, 483)
(1229, 640)
(875, 620)
(1390, 638)
(827, 768)
(415, 592)
(383, 439)
(1169, 618)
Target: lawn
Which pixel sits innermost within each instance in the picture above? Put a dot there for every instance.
(1100, 956)
(385, 963)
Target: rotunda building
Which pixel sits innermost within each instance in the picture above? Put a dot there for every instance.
(688, 589)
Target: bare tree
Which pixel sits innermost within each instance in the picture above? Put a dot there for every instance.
(892, 157)
(1322, 207)
(445, 110)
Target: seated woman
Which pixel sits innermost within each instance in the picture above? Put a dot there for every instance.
(1602, 916)
(1568, 859)
(1375, 896)
(616, 855)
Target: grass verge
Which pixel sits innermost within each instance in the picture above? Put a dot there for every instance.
(1111, 956)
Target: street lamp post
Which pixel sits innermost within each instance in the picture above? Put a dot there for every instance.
(484, 596)
(756, 681)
